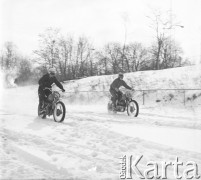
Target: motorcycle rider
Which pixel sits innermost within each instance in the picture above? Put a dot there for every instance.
(46, 82)
(114, 88)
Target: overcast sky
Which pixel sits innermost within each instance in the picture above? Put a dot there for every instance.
(101, 20)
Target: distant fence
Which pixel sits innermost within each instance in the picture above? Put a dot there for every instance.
(181, 91)
(143, 93)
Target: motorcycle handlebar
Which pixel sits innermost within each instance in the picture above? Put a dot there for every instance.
(48, 89)
(52, 90)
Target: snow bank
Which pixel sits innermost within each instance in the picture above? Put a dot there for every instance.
(96, 89)
(183, 77)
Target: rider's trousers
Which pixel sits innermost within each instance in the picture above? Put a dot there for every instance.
(42, 95)
(116, 95)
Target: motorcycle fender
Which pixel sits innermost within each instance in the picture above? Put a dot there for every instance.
(54, 105)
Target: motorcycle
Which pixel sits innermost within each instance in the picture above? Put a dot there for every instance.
(52, 106)
(125, 103)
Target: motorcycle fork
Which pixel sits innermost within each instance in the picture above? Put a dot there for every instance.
(127, 103)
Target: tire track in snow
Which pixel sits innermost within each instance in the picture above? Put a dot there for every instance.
(143, 118)
(56, 148)
(92, 144)
(21, 164)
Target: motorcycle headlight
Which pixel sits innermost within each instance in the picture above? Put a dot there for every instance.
(56, 95)
(50, 97)
(128, 95)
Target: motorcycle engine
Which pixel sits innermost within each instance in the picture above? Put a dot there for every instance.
(121, 103)
(120, 108)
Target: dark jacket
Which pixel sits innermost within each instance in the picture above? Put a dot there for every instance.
(117, 83)
(47, 81)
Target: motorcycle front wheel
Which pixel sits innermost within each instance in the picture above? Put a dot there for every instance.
(59, 112)
(133, 108)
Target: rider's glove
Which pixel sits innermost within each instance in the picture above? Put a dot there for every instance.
(63, 90)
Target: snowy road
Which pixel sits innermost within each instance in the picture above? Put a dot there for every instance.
(181, 138)
(186, 139)
(89, 143)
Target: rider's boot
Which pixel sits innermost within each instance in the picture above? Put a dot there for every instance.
(42, 107)
(115, 106)
(43, 112)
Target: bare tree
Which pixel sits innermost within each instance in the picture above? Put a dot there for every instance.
(110, 58)
(103, 63)
(171, 54)
(137, 56)
(158, 24)
(114, 54)
(65, 55)
(48, 47)
(9, 57)
(164, 46)
(83, 55)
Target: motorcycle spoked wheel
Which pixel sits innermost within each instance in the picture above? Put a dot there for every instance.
(133, 108)
(59, 112)
(41, 115)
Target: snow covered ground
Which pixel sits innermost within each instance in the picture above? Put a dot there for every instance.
(89, 143)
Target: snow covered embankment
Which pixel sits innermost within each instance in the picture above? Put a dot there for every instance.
(176, 78)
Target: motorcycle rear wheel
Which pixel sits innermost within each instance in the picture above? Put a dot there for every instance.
(59, 112)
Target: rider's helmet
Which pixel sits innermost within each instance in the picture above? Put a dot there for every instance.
(121, 75)
(52, 71)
